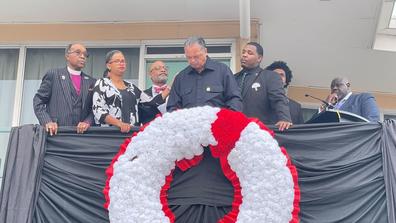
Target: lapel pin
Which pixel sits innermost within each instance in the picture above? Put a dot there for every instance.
(256, 86)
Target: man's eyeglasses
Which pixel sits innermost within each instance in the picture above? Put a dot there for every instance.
(118, 62)
(79, 53)
(160, 67)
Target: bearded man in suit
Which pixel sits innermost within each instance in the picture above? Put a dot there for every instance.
(159, 76)
(64, 97)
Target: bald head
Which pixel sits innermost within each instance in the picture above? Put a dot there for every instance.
(159, 73)
(340, 86)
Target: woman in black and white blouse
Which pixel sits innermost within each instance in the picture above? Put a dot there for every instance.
(116, 101)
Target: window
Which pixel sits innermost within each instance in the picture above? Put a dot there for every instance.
(173, 56)
(96, 62)
(390, 117)
(180, 49)
(8, 74)
(385, 36)
(392, 21)
(38, 61)
(175, 66)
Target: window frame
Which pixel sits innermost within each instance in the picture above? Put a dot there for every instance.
(384, 38)
(179, 43)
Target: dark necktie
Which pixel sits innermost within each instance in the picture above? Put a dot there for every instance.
(242, 83)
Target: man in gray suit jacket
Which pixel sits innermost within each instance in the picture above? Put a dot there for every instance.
(342, 98)
(65, 97)
(262, 91)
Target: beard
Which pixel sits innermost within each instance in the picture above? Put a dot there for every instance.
(160, 79)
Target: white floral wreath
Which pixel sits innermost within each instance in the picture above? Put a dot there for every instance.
(137, 179)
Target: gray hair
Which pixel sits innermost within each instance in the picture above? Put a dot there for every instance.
(195, 40)
(110, 55)
(339, 80)
(68, 47)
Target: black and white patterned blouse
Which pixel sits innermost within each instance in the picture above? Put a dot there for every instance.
(107, 100)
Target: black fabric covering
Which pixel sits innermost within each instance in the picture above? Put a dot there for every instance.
(199, 213)
(388, 147)
(73, 176)
(340, 171)
(214, 188)
(201, 193)
(347, 173)
(22, 174)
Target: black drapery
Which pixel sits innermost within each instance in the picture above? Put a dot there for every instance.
(22, 174)
(347, 173)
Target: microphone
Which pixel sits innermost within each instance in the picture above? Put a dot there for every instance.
(328, 105)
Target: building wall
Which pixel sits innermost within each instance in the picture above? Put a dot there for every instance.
(269, 36)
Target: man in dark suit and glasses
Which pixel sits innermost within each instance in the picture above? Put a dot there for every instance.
(262, 91)
(64, 97)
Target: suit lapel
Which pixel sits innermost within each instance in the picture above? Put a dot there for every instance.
(347, 104)
(249, 82)
(65, 84)
(149, 91)
(84, 88)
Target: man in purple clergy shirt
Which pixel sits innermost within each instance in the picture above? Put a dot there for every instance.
(64, 97)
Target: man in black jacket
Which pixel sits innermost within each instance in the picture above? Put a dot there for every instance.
(204, 81)
(286, 75)
(262, 91)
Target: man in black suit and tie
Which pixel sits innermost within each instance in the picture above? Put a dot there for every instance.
(64, 98)
(262, 91)
(159, 77)
(281, 68)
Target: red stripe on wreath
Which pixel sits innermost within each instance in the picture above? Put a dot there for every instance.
(110, 172)
(297, 194)
(227, 130)
(184, 165)
(164, 198)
